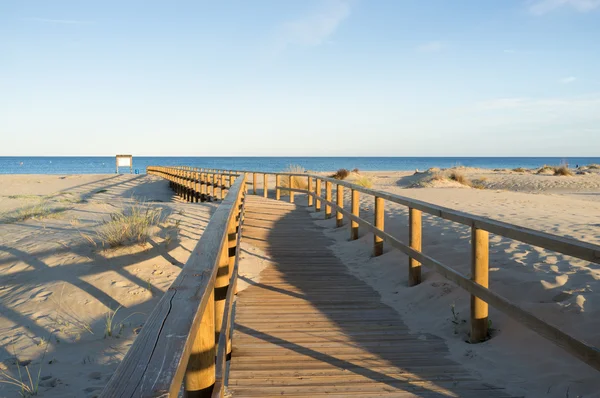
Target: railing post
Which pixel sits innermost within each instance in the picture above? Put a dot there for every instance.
(377, 241)
(339, 216)
(480, 275)
(212, 186)
(254, 183)
(203, 186)
(277, 185)
(265, 185)
(355, 212)
(221, 287)
(414, 237)
(310, 192)
(200, 375)
(221, 184)
(328, 199)
(291, 184)
(318, 195)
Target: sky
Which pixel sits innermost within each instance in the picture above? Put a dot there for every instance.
(300, 78)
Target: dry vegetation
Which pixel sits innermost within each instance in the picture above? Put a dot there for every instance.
(130, 226)
(520, 170)
(43, 209)
(294, 182)
(460, 178)
(341, 174)
(364, 181)
(562, 171)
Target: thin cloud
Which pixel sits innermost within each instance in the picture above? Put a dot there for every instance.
(431, 47)
(567, 80)
(315, 29)
(586, 102)
(541, 7)
(59, 21)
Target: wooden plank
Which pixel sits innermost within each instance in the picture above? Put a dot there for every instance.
(309, 327)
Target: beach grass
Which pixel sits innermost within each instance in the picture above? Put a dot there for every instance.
(294, 182)
(364, 181)
(132, 225)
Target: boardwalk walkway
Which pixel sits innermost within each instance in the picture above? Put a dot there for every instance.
(310, 328)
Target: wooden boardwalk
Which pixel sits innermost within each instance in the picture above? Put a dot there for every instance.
(310, 328)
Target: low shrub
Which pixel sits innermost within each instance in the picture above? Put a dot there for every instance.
(460, 178)
(130, 226)
(341, 174)
(563, 171)
(520, 170)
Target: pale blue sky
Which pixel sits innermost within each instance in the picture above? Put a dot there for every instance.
(312, 77)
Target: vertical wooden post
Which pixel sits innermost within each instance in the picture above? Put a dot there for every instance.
(221, 184)
(291, 184)
(221, 287)
(328, 199)
(318, 195)
(310, 191)
(254, 183)
(414, 237)
(277, 184)
(355, 212)
(480, 274)
(265, 185)
(212, 186)
(200, 374)
(339, 216)
(197, 187)
(377, 241)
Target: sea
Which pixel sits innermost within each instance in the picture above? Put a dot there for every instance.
(106, 165)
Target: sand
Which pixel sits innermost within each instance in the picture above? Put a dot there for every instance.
(56, 287)
(562, 290)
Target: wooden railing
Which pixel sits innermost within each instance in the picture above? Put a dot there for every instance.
(186, 339)
(476, 285)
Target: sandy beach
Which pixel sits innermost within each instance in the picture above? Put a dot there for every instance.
(59, 283)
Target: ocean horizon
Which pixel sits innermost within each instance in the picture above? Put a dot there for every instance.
(106, 164)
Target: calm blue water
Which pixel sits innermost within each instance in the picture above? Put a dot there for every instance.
(106, 165)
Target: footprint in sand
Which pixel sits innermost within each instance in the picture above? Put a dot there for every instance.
(40, 296)
(135, 292)
(120, 284)
(157, 272)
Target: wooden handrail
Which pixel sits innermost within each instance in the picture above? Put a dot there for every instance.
(177, 341)
(477, 285)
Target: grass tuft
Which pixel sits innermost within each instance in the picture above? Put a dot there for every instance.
(294, 181)
(520, 170)
(364, 181)
(28, 386)
(341, 174)
(460, 178)
(563, 171)
(130, 226)
(36, 212)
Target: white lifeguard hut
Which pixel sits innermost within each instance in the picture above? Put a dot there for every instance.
(125, 161)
